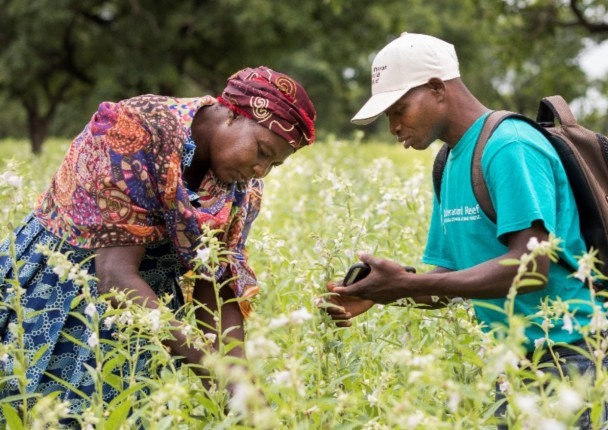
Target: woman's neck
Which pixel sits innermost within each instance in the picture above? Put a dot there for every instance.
(202, 131)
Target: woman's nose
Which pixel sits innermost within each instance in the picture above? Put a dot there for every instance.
(260, 170)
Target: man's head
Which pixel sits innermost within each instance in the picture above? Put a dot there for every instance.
(405, 63)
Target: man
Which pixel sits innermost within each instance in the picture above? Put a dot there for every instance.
(416, 83)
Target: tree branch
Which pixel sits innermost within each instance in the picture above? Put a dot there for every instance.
(592, 27)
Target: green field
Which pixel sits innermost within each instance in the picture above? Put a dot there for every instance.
(395, 368)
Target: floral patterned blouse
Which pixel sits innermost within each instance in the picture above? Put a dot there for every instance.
(121, 184)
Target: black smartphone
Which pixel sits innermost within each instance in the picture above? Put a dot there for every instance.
(360, 270)
(356, 272)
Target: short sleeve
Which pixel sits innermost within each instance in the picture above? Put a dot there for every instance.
(522, 183)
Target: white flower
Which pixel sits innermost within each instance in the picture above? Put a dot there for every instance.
(278, 322)
(583, 272)
(504, 387)
(300, 315)
(210, 337)
(282, 378)
(90, 310)
(372, 397)
(154, 320)
(11, 179)
(4, 358)
(202, 255)
(552, 424)
(539, 342)
(241, 395)
(585, 268)
(108, 321)
(532, 243)
(261, 347)
(526, 403)
(61, 270)
(318, 248)
(569, 399)
(567, 323)
(504, 359)
(93, 340)
(126, 318)
(453, 401)
(598, 322)
(415, 419)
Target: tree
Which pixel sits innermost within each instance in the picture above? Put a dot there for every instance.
(60, 58)
(42, 64)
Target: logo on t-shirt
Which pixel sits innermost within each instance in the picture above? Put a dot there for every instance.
(462, 214)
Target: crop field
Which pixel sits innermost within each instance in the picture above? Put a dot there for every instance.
(397, 367)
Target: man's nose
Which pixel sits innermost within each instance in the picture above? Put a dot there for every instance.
(394, 126)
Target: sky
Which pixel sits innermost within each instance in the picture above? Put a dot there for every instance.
(594, 61)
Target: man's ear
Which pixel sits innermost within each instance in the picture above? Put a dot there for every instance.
(437, 87)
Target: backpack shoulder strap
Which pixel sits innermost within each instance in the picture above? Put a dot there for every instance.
(552, 108)
(438, 166)
(480, 188)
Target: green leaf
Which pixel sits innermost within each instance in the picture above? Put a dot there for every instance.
(527, 282)
(119, 414)
(13, 422)
(39, 353)
(510, 262)
(67, 385)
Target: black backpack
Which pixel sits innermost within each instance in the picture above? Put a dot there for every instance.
(583, 153)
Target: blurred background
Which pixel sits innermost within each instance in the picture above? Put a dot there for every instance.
(60, 58)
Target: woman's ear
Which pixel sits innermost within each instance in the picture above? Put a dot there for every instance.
(232, 115)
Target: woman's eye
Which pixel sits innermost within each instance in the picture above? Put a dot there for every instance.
(261, 152)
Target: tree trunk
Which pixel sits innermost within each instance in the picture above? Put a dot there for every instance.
(38, 128)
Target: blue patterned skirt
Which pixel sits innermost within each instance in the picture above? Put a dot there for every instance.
(44, 291)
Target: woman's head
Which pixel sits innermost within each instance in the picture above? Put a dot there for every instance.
(273, 100)
(270, 118)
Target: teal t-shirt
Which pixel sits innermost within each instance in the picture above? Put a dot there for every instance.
(527, 183)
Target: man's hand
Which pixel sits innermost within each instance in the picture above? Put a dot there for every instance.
(386, 283)
(342, 308)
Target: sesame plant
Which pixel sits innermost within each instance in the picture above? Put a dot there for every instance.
(398, 366)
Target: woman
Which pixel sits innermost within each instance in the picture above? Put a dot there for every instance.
(129, 203)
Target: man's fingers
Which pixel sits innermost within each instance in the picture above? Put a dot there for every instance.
(368, 258)
(345, 291)
(344, 324)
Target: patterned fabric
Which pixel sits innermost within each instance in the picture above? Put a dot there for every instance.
(273, 100)
(121, 184)
(43, 290)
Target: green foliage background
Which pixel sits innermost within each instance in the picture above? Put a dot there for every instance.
(60, 58)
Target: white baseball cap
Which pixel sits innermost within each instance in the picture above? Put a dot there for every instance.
(407, 62)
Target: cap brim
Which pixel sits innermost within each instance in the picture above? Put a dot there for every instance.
(376, 106)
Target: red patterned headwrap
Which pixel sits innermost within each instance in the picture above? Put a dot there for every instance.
(273, 100)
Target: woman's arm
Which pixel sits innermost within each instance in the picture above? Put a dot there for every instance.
(118, 267)
(232, 317)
